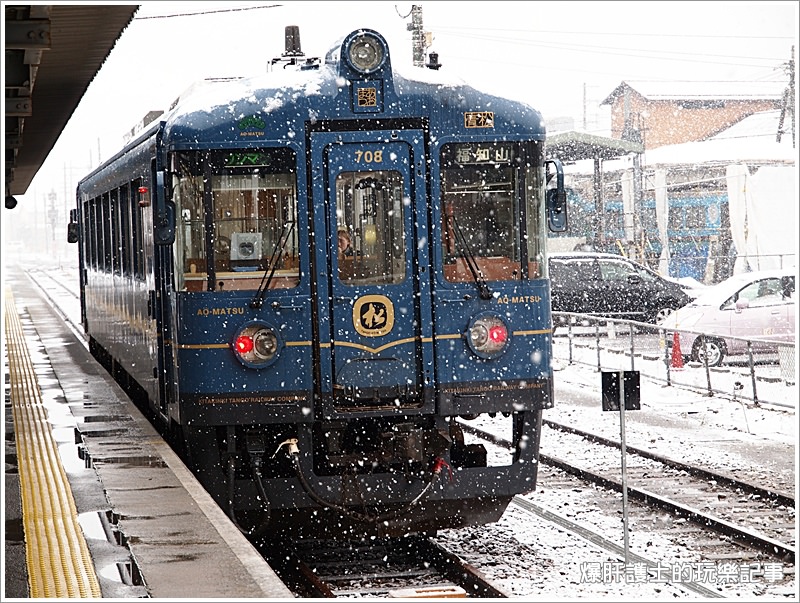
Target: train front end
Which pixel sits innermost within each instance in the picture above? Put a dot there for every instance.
(325, 389)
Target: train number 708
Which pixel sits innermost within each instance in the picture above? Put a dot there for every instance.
(369, 156)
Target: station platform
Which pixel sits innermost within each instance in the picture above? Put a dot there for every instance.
(96, 504)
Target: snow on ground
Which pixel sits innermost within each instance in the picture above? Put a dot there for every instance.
(684, 423)
(721, 432)
(535, 559)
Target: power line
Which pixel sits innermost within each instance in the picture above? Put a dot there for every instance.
(616, 34)
(665, 55)
(613, 70)
(209, 12)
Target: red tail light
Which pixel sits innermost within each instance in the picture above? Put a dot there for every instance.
(498, 334)
(488, 336)
(244, 344)
(257, 345)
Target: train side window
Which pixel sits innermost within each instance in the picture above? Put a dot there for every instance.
(138, 259)
(106, 232)
(116, 242)
(91, 232)
(126, 237)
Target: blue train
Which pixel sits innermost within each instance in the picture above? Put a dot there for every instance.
(698, 232)
(316, 390)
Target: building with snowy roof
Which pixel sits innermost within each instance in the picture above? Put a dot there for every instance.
(665, 113)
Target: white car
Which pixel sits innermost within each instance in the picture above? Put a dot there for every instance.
(758, 307)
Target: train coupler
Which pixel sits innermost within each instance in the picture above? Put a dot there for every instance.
(256, 448)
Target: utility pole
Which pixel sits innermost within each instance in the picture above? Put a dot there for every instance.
(51, 217)
(787, 103)
(420, 39)
(584, 107)
(417, 35)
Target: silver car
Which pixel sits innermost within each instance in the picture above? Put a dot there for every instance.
(756, 306)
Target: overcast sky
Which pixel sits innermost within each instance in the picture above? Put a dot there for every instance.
(561, 57)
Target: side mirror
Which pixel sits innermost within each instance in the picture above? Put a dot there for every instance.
(555, 197)
(164, 219)
(164, 228)
(556, 201)
(72, 232)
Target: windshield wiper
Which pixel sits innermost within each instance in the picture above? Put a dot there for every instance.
(472, 264)
(272, 265)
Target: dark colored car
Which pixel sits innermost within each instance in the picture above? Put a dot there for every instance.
(613, 286)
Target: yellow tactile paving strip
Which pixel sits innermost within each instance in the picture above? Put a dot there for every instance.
(58, 559)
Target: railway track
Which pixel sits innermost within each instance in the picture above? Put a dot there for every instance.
(63, 296)
(712, 517)
(411, 567)
(758, 517)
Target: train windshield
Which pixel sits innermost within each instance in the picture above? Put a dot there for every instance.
(238, 211)
(482, 214)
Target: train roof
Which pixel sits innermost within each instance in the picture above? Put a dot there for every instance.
(322, 91)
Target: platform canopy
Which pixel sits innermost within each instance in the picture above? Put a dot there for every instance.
(53, 53)
(577, 146)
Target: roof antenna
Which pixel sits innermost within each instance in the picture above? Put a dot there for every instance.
(293, 57)
(292, 37)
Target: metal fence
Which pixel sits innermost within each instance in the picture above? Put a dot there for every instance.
(614, 344)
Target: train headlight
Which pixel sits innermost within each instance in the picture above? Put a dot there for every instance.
(257, 345)
(265, 344)
(366, 52)
(487, 336)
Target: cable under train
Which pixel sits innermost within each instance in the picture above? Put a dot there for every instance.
(318, 391)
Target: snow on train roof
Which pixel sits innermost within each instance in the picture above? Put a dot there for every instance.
(207, 95)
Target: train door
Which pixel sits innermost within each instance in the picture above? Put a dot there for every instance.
(378, 292)
(162, 297)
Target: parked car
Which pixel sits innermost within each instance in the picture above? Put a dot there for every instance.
(755, 306)
(612, 286)
(691, 286)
